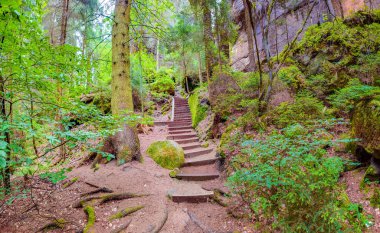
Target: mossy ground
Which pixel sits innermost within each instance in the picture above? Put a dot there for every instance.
(168, 154)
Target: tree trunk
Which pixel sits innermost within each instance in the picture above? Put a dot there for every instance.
(249, 32)
(158, 54)
(249, 7)
(126, 144)
(207, 38)
(3, 115)
(65, 14)
(200, 68)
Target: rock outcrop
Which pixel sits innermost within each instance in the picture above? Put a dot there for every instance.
(288, 17)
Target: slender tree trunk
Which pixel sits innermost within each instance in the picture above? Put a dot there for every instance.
(218, 39)
(249, 6)
(6, 134)
(65, 15)
(207, 38)
(200, 68)
(126, 143)
(158, 54)
(62, 41)
(249, 32)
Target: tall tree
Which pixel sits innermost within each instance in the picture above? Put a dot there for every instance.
(125, 143)
(207, 37)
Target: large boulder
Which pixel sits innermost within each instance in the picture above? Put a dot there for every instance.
(366, 125)
(168, 154)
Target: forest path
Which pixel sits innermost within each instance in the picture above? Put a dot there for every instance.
(199, 173)
(135, 177)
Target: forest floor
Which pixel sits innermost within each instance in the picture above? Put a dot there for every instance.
(30, 213)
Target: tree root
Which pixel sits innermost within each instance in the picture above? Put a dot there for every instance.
(98, 190)
(90, 212)
(122, 227)
(125, 212)
(217, 197)
(87, 158)
(204, 228)
(69, 183)
(106, 198)
(55, 224)
(161, 223)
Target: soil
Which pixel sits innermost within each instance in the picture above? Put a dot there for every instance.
(45, 201)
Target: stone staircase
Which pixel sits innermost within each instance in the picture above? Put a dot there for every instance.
(200, 163)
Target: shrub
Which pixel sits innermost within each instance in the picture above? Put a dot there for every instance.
(346, 98)
(305, 108)
(168, 154)
(287, 179)
(292, 76)
(163, 84)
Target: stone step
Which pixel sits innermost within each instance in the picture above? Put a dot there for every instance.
(201, 160)
(179, 128)
(186, 141)
(179, 125)
(184, 122)
(197, 176)
(191, 146)
(182, 119)
(197, 152)
(180, 131)
(182, 136)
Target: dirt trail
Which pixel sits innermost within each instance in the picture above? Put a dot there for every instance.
(142, 178)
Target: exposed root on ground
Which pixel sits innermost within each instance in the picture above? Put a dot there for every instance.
(122, 227)
(70, 182)
(90, 212)
(218, 198)
(201, 225)
(98, 190)
(125, 212)
(58, 223)
(161, 223)
(106, 198)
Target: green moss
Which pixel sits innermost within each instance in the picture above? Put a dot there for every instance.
(291, 76)
(375, 198)
(305, 109)
(366, 124)
(125, 212)
(71, 182)
(90, 212)
(173, 173)
(198, 112)
(168, 154)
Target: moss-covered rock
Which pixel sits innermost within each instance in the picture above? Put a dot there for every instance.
(371, 174)
(366, 125)
(198, 106)
(168, 154)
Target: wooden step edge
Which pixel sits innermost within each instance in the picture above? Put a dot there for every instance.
(197, 176)
(200, 162)
(197, 153)
(192, 198)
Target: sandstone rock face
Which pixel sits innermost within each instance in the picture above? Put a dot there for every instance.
(289, 18)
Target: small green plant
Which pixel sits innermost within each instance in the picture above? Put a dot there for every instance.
(346, 98)
(291, 76)
(288, 180)
(168, 154)
(163, 84)
(306, 108)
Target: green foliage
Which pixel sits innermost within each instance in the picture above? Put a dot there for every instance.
(305, 108)
(198, 111)
(163, 82)
(54, 177)
(168, 154)
(291, 76)
(287, 179)
(346, 98)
